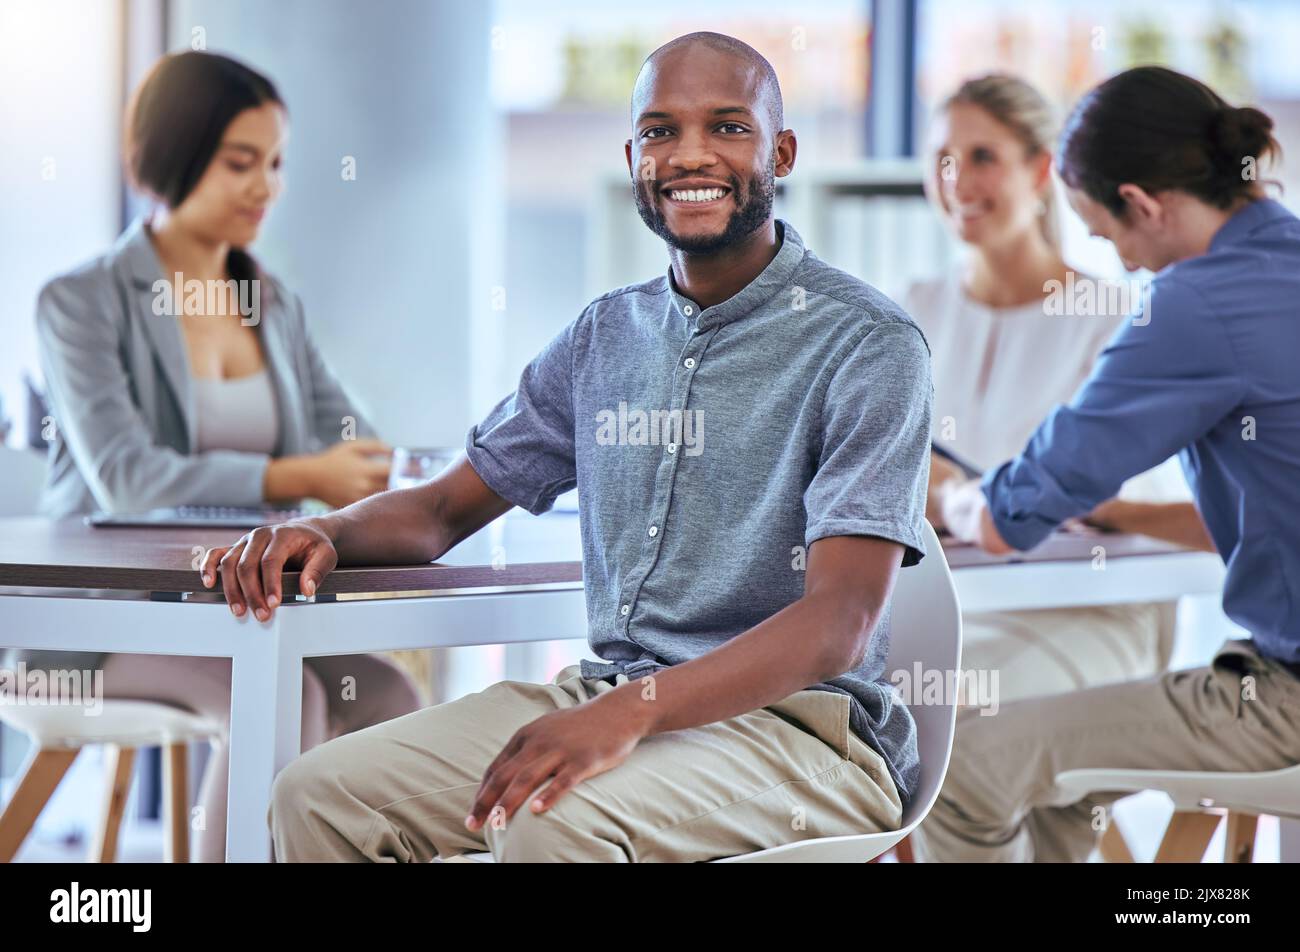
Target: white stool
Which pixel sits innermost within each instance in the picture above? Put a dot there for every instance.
(1201, 800)
(59, 731)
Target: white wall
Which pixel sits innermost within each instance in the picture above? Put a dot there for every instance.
(60, 115)
(395, 268)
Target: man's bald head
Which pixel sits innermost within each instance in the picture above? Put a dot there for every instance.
(767, 88)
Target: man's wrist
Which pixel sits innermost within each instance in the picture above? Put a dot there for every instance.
(629, 701)
(329, 524)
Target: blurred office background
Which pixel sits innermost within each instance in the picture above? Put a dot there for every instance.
(490, 199)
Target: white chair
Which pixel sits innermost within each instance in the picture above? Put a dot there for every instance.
(1201, 800)
(925, 628)
(59, 731)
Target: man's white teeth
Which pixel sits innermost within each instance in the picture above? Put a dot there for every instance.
(697, 194)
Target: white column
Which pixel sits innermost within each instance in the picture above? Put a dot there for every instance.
(395, 266)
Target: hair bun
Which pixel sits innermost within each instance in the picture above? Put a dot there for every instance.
(1240, 131)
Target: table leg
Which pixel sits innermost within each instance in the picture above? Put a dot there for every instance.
(1290, 846)
(265, 730)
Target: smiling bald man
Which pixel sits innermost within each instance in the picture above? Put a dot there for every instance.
(737, 594)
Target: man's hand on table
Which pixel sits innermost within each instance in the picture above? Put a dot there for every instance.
(252, 567)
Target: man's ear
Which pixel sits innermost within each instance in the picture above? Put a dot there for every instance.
(786, 148)
(1142, 205)
(627, 149)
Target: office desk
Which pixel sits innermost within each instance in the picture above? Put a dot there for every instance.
(64, 585)
(67, 586)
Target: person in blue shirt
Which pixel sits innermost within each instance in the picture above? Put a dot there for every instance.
(1208, 368)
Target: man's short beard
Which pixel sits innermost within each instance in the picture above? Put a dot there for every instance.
(744, 221)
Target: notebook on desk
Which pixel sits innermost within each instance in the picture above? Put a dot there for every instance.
(210, 517)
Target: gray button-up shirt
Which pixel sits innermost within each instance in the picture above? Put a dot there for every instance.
(711, 447)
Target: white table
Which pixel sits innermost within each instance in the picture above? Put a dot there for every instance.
(267, 657)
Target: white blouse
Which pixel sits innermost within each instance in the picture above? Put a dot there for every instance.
(237, 414)
(998, 372)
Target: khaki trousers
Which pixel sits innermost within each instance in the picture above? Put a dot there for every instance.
(400, 791)
(999, 804)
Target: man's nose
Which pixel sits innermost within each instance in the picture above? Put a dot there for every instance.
(691, 155)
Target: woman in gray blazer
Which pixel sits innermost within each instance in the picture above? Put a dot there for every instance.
(179, 372)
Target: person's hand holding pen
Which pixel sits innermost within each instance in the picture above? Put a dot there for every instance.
(943, 476)
(957, 504)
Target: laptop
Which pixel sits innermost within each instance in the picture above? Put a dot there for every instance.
(203, 517)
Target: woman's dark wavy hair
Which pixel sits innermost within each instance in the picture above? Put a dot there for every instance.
(1158, 129)
(175, 122)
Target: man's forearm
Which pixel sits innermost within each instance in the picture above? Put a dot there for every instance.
(398, 527)
(810, 641)
(1176, 522)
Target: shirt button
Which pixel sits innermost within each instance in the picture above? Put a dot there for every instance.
(654, 531)
(689, 362)
(672, 448)
(688, 310)
(625, 609)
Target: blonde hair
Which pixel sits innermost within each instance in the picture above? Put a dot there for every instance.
(1020, 107)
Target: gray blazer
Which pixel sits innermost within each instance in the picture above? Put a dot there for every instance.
(118, 383)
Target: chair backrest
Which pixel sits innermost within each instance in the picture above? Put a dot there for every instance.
(22, 473)
(925, 629)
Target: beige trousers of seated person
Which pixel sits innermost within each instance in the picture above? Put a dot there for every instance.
(1000, 803)
(400, 791)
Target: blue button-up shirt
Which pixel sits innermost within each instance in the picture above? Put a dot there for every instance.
(1210, 369)
(711, 447)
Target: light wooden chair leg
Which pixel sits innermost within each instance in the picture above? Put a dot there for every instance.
(177, 808)
(1239, 843)
(118, 761)
(1113, 846)
(903, 851)
(41, 778)
(1187, 836)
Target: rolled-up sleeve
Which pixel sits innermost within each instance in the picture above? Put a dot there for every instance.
(524, 449)
(1163, 381)
(875, 453)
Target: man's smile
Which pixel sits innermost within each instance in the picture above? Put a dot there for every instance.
(695, 193)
